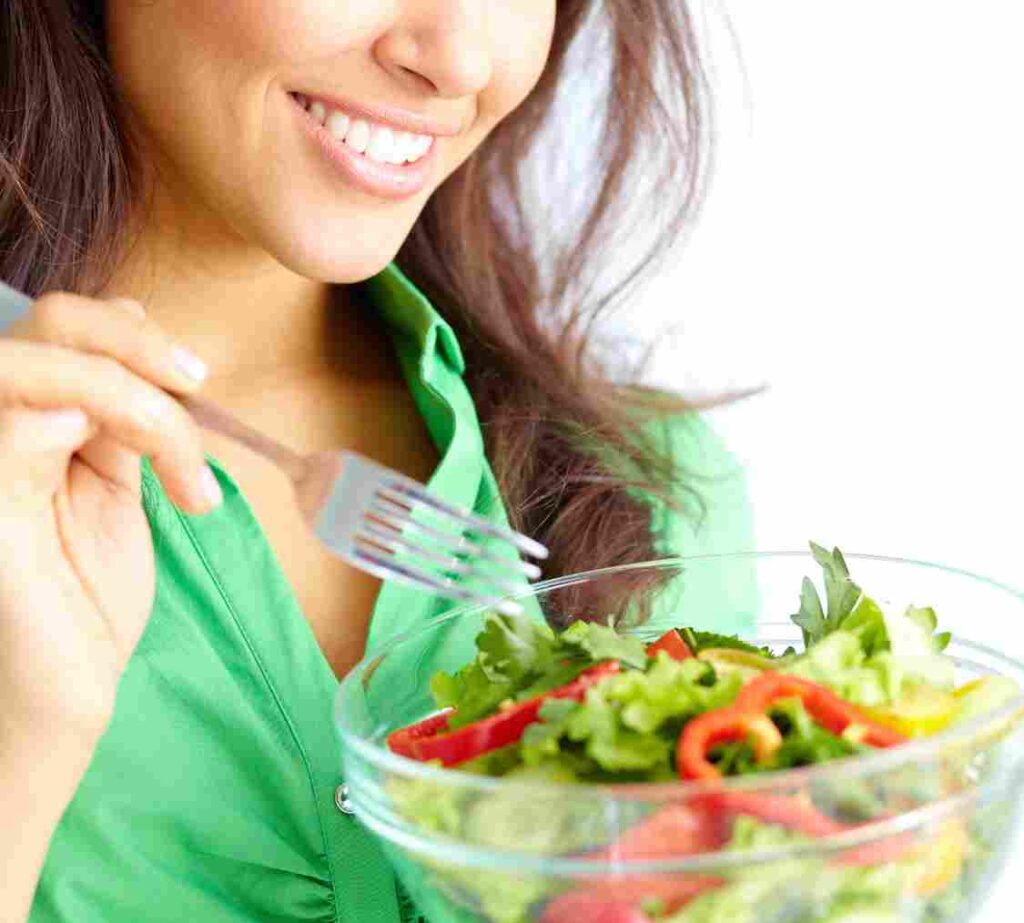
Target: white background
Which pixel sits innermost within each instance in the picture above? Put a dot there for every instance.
(860, 254)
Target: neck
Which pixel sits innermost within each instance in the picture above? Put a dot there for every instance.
(252, 320)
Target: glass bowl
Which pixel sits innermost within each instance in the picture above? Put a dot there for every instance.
(922, 829)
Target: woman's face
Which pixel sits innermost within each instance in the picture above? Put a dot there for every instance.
(229, 95)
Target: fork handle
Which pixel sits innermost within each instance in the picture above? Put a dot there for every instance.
(219, 420)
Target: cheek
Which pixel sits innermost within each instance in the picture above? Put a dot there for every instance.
(519, 63)
(201, 61)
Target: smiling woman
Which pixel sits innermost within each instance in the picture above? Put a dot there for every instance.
(330, 204)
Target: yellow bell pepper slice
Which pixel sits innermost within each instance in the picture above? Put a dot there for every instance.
(728, 660)
(919, 711)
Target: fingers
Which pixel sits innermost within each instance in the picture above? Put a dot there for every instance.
(110, 361)
(35, 446)
(119, 329)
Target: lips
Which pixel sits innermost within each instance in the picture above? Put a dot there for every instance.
(380, 142)
(339, 137)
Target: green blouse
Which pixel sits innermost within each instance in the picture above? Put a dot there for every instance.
(212, 796)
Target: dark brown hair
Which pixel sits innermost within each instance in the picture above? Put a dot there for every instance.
(571, 449)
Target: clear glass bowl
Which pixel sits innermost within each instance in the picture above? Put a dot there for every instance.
(926, 826)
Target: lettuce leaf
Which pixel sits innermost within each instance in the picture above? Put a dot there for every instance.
(628, 724)
(518, 658)
(698, 641)
(849, 609)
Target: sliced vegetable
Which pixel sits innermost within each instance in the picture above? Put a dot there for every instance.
(430, 740)
(593, 906)
(402, 740)
(794, 812)
(712, 728)
(700, 641)
(984, 695)
(919, 710)
(830, 711)
(745, 663)
(671, 643)
(942, 858)
(673, 831)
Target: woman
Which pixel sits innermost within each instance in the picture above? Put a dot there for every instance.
(222, 181)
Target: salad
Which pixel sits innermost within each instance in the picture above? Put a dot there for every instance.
(591, 705)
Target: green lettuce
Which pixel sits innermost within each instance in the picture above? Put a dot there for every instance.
(698, 641)
(911, 633)
(804, 743)
(628, 723)
(839, 662)
(865, 652)
(519, 657)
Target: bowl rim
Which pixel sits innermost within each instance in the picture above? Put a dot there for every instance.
(914, 750)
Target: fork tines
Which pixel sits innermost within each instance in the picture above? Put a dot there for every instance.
(426, 541)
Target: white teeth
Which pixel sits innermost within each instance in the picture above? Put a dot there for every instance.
(382, 145)
(422, 145)
(412, 141)
(358, 137)
(338, 124)
(377, 142)
(400, 149)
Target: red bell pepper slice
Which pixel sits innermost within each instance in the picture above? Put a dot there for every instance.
(592, 907)
(431, 739)
(400, 741)
(830, 711)
(674, 830)
(794, 812)
(671, 643)
(670, 832)
(708, 730)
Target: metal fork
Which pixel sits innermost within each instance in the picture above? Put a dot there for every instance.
(388, 524)
(377, 519)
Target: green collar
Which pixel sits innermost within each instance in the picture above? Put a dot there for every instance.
(408, 311)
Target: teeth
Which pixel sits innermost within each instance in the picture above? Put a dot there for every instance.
(421, 144)
(338, 124)
(377, 142)
(358, 137)
(400, 149)
(382, 145)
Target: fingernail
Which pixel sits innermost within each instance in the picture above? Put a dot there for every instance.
(189, 364)
(136, 307)
(211, 489)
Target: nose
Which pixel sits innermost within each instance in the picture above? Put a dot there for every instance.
(442, 45)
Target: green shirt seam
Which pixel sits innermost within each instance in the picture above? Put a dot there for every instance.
(277, 702)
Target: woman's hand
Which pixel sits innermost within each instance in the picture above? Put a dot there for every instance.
(82, 398)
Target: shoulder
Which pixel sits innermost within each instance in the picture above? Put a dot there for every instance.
(711, 516)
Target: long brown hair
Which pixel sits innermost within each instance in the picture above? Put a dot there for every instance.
(570, 447)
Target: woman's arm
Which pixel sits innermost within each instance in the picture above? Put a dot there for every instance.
(83, 397)
(38, 777)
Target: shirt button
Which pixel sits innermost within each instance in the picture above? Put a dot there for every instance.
(342, 801)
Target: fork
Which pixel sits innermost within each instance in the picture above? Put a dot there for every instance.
(379, 520)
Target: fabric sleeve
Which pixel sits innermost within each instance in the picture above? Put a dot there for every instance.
(715, 519)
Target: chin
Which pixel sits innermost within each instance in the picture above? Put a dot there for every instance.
(347, 255)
